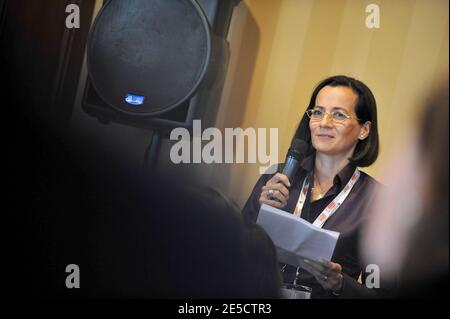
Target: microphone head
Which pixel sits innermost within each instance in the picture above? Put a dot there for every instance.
(294, 156)
(298, 149)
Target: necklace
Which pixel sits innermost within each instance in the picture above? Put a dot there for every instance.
(333, 206)
(318, 193)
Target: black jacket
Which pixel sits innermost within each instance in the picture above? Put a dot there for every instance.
(348, 220)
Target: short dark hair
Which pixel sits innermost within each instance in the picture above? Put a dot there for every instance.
(366, 151)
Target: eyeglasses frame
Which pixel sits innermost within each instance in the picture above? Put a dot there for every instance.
(348, 117)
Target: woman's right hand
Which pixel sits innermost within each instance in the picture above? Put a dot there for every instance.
(275, 193)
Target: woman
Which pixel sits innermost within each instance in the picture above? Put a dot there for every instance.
(340, 126)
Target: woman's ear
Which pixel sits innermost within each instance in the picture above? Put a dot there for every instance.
(365, 130)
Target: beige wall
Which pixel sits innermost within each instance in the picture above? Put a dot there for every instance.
(282, 48)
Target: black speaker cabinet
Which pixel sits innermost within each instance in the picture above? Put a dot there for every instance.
(157, 64)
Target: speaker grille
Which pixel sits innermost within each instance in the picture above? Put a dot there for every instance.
(146, 57)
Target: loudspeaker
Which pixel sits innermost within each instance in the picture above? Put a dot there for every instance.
(157, 64)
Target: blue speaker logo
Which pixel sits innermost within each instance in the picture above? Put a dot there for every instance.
(134, 99)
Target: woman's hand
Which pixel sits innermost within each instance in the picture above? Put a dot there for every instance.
(328, 274)
(275, 192)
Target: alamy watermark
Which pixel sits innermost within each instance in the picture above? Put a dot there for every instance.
(73, 279)
(73, 19)
(373, 277)
(373, 19)
(225, 149)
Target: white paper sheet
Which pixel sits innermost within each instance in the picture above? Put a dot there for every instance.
(295, 238)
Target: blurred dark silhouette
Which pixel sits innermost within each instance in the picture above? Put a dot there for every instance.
(262, 265)
(133, 236)
(408, 233)
(426, 264)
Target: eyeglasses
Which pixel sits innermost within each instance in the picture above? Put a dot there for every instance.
(317, 114)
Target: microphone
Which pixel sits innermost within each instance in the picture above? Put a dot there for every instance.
(294, 157)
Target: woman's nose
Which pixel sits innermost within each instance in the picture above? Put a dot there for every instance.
(327, 120)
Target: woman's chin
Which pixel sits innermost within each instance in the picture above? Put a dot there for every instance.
(324, 148)
(330, 151)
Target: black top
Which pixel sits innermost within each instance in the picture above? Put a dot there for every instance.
(347, 220)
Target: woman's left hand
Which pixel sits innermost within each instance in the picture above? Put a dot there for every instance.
(328, 274)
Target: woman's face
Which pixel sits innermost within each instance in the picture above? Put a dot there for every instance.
(332, 137)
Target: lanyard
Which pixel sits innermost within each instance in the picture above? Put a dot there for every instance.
(333, 206)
